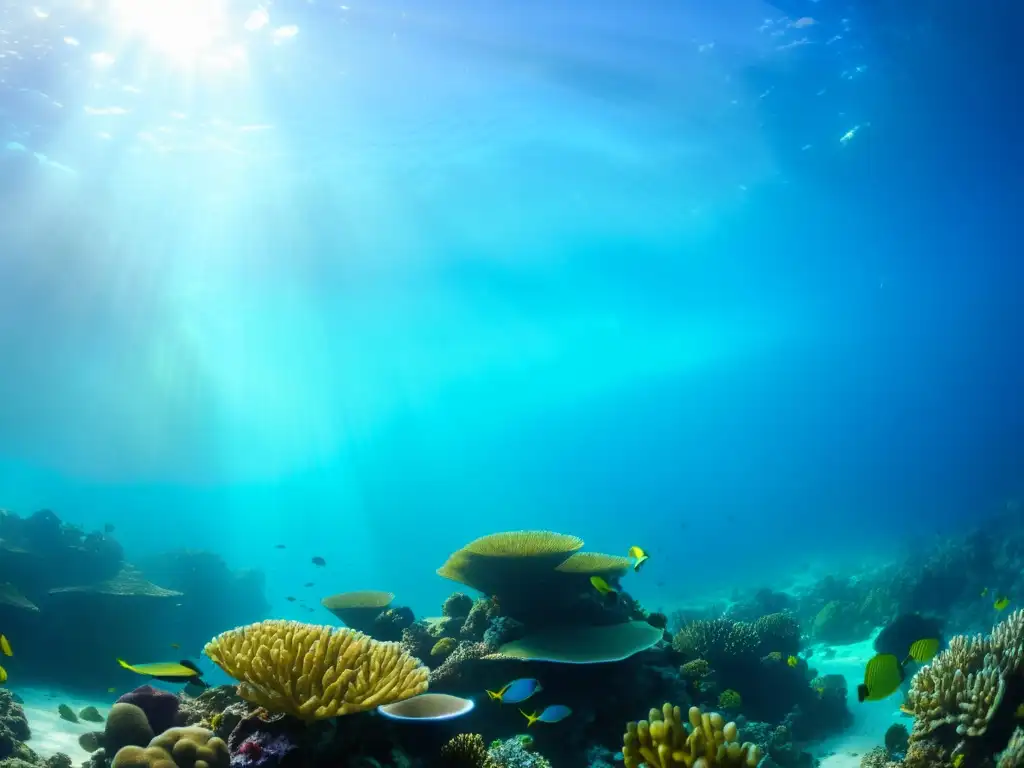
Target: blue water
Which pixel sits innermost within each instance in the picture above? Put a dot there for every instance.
(737, 282)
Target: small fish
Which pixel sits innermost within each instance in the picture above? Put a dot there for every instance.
(175, 646)
(319, 562)
(108, 528)
(984, 592)
(906, 711)
(641, 557)
(1019, 712)
(957, 760)
(602, 586)
(1001, 603)
(67, 713)
(5, 646)
(3, 675)
(308, 584)
(279, 546)
(516, 691)
(182, 672)
(290, 599)
(882, 677)
(552, 714)
(792, 661)
(111, 689)
(923, 651)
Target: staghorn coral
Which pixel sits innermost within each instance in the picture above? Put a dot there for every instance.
(1013, 755)
(964, 686)
(315, 672)
(663, 741)
(467, 750)
(778, 632)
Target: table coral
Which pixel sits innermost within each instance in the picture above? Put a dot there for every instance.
(315, 672)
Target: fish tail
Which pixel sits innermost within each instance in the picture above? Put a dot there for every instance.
(494, 696)
(124, 664)
(862, 692)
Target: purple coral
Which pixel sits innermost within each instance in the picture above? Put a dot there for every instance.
(261, 750)
(161, 707)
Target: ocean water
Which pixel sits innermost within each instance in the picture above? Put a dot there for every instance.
(739, 282)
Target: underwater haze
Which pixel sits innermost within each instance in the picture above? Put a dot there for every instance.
(738, 282)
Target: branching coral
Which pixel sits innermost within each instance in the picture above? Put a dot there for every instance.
(965, 684)
(315, 672)
(778, 632)
(717, 640)
(467, 750)
(663, 741)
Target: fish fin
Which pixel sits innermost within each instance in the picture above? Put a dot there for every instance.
(862, 692)
(125, 664)
(191, 665)
(494, 696)
(906, 661)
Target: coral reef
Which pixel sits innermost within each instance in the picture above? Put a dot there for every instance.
(663, 741)
(160, 707)
(188, 747)
(14, 728)
(314, 672)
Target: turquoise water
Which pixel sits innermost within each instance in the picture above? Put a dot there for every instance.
(371, 280)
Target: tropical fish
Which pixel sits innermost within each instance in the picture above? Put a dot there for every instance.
(308, 584)
(1019, 712)
(290, 599)
(792, 661)
(111, 689)
(602, 586)
(108, 528)
(319, 562)
(5, 646)
(3, 675)
(957, 760)
(640, 555)
(67, 713)
(899, 635)
(182, 672)
(175, 646)
(516, 691)
(279, 546)
(1001, 603)
(984, 591)
(552, 714)
(882, 677)
(923, 651)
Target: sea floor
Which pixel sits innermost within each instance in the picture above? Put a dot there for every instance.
(52, 734)
(871, 719)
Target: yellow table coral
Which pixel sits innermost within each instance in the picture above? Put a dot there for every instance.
(314, 672)
(663, 741)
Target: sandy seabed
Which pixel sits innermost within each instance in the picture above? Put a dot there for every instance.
(52, 734)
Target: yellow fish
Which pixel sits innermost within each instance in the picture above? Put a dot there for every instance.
(165, 670)
(957, 760)
(923, 651)
(792, 661)
(602, 586)
(111, 690)
(1019, 713)
(3, 675)
(640, 555)
(1001, 603)
(882, 677)
(5, 646)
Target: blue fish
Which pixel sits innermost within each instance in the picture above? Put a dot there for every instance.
(516, 691)
(552, 714)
